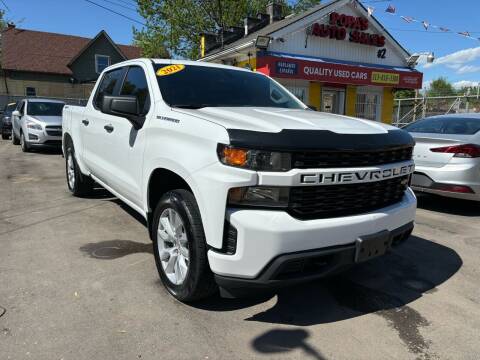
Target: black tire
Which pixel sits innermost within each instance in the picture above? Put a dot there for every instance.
(82, 185)
(24, 143)
(199, 282)
(5, 136)
(15, 140)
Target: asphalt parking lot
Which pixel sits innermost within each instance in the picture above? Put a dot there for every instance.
(78, 281)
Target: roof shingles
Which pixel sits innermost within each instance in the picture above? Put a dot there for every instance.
(37, 51)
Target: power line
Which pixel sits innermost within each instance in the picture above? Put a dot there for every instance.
(116, 12)
(4, 4)
(120, 5)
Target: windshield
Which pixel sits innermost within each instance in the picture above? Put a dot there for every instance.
(44, 108)
(446, 125)
(195, 87)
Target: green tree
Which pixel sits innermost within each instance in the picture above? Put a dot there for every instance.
(176, 25)
(404, 94)
(441, 87)
(3, 22)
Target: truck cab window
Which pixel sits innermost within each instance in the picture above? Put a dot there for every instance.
(135, 84)
(109, 85)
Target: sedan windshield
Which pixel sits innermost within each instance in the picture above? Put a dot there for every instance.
(445, 125)
(44, 108)
(194, 87)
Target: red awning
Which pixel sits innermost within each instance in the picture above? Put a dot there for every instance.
(298, 68)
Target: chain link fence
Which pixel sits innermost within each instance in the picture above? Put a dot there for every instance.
(6, 99)
(412, 109)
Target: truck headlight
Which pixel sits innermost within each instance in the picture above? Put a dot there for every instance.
(264, 196)
(259, 160)
(34, 126)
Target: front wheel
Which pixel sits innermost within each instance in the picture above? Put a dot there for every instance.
(23, 143)
(78, 184)
(15, 140)
(180, 249)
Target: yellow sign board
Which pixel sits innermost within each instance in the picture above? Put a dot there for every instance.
(170, 69)
(385, 78)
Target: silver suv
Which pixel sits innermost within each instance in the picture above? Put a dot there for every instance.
(37, 122)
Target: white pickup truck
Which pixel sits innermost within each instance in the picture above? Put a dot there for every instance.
(243, 187)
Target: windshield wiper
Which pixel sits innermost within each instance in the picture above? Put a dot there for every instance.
(190, 106)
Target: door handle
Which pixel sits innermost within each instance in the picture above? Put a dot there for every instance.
(85, 122)
(108, 128)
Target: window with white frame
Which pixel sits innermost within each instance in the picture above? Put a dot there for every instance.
(299, 91)
(30, 91)
(368, 104)
(101, 62)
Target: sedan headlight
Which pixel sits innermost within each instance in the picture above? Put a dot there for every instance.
(33, 125)
(276, 197)
(259, 160)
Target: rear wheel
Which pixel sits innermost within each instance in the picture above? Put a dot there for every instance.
(4, 136)
(180, 249)
(23, 143)
(78, 184)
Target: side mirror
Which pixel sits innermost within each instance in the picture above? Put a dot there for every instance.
(16, 113)
(124, 106)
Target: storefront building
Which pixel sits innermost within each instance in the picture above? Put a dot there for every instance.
(334, 57)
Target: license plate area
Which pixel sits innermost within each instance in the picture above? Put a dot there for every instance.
(371, 246)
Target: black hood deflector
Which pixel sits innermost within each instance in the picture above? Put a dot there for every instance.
(318, 140)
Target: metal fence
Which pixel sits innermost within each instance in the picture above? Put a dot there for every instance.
(6, 99)
(412, 109)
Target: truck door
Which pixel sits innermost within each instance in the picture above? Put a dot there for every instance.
(94, 135)
(124, 145)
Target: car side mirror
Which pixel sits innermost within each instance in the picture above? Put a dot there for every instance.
(125, 106)
(16, 113)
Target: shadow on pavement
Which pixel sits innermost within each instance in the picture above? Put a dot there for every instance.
(114, 249)
(448, 205)
(384, 286)
(284, 340)
(46, 150)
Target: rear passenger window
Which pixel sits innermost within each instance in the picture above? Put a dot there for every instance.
(135, 84)
(109, 85)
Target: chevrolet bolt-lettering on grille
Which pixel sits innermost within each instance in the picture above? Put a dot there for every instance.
(316, 202)
(325, 159)
(337, 177)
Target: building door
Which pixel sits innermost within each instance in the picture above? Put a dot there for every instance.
(333, 101)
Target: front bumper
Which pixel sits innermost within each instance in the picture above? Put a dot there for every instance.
(41, 138)
(294, 268)
(263, 235)
(467, 173)
(6, 128)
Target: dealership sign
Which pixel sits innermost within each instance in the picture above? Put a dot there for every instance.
(338, 26)
(337, 73)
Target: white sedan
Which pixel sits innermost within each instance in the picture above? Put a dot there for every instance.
(447, 155)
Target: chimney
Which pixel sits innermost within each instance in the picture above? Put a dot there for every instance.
(11, 25)
(274, 10)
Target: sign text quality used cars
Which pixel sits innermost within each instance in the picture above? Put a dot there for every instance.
(335, 73)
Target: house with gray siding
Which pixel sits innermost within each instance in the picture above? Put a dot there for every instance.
(43, 64)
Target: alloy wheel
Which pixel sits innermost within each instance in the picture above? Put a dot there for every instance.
(173, 248)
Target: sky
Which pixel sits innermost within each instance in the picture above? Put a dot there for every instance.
(457, 57)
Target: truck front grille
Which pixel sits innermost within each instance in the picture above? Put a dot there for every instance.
(327, 201)
(53, 130)
(338, 159)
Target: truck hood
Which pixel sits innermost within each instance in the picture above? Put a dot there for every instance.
(277, 119)
(47, 120)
